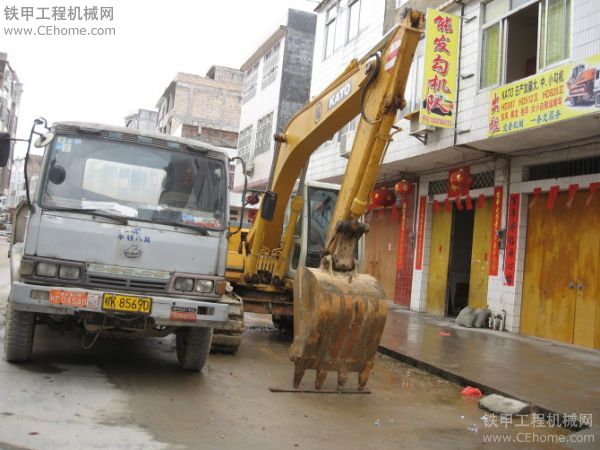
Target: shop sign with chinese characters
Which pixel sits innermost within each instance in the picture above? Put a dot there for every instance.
(562, 93)
(421, 233)
(512, 233)
(442, 40)
(496, 225)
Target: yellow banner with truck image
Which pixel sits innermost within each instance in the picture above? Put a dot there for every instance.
(568, 91)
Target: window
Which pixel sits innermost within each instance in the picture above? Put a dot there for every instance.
(353, 19)
(270, 63)
(250, 80)
(330, 29)
(555, 36)
(231, 176)
(342, 24)
(414, 85)
(522, 37)
(263, 134)
(245, 143)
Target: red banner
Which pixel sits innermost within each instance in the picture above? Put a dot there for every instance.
(401, 238)
(421, 232)
(469, 203)
(496, 224)
(536, 193)
(512, 232)
(552, 197)
(593, 189)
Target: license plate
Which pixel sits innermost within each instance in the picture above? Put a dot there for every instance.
(183, 313)
(126, 303)
(68, 298)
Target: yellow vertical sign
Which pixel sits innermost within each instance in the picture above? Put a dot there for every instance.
(442, 42)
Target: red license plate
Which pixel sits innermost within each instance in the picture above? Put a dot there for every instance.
(183, 313)
(68, 298)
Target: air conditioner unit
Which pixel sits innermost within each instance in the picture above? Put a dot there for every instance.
(418, 128)
(250, 168)
(346, 142)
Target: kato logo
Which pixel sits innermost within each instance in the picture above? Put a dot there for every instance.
(318, 111)
(341, 94)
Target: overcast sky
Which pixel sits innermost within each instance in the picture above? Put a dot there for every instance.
(104, 78)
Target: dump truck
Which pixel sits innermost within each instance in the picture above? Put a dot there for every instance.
(125, 236)
(584, 85)
(280, 266)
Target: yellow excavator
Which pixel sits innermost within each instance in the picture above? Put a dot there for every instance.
(338, 313)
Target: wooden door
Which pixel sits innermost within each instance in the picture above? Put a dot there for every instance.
(587, 285)
(480, 260)
(439, 256)
(560, 286)
(380, 247)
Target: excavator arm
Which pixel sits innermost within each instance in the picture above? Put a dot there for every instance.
(339, 314)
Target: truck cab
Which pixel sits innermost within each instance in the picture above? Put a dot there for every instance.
(125, 236)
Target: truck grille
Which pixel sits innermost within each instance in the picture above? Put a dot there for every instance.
(127, 284)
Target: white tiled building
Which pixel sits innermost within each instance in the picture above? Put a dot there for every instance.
(277, 79)
(555, 294)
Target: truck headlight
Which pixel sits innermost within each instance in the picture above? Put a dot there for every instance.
(46, 269)
(26, 267)
(69, 272)
(204, 286)
(183, 284)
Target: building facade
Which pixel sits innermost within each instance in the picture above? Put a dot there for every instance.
(277, 78)
(203, 108)
(10, 97)
(503, 210)
(142, 119)
(17, 192)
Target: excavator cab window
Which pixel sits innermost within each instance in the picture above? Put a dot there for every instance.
(321, 204)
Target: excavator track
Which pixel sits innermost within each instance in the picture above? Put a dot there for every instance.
(228, 339)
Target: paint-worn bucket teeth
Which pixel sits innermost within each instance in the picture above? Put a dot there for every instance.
(338, 323)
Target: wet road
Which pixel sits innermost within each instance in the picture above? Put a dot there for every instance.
(132, 394)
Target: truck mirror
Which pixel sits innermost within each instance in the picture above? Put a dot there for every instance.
(43, 140)
(269, 203)
(4, 148)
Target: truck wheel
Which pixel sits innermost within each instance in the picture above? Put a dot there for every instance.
(597, 99)
(20, 329)
(193, 347)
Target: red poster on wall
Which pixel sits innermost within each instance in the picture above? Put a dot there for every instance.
(496, 224)
(401, 238)
(421, 232)
(512, 231)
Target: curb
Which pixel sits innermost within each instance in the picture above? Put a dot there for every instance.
(462, 381)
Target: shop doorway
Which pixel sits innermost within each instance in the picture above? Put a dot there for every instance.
(459, 258)
(459, 269)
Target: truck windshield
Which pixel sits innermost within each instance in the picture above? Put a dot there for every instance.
(135, 181)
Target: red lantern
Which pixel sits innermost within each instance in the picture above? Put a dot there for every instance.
(403, 187)
(381, 198)
(460, 182)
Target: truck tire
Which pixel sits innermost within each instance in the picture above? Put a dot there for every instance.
(193, 347)
(597, 99)
(20, 329)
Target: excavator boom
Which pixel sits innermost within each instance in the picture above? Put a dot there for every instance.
(339, 314)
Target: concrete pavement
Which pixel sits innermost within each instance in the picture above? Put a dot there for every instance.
(553, 377)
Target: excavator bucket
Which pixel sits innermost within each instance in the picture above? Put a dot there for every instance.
(338, 323)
